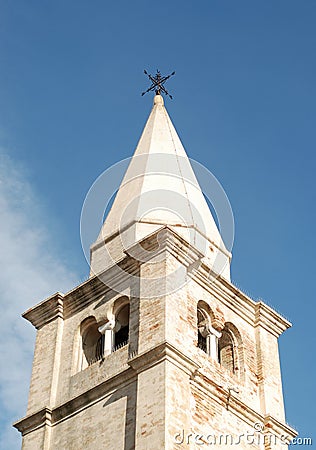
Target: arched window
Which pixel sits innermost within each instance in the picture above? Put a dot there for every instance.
(207, 335)
(116, 331)
(223, 346)
(226, 350)
(202, 322)
(230, 350)
(121, 329)
(92, 342)
(100, 339)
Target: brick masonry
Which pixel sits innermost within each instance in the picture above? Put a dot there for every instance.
(161, 386)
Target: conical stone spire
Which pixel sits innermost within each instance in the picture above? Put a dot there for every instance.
(159, 189)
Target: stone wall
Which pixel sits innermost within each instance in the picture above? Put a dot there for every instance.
(160, 385)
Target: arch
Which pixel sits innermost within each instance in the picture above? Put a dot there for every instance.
(95, 345)
(205, 307)
(121, 328)
(204, 316)
(218, 339)
(203, 320)
(92, 342)
(230, 353)
(119, 303)
(226, 353)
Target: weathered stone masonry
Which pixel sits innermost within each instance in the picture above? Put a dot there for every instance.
(191, 355)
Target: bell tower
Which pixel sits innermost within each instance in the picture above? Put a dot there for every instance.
(157, 349)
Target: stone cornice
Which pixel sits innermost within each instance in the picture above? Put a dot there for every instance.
(46, 311)
(269, 319)
(165, 239)
(94, 287)
(222, 249)
(65, 305)
(51, 416)
(163, 352)
(104, 240)
(34, 421)
(138, 363)
(231, 297)
(255, 313)
(278, 428)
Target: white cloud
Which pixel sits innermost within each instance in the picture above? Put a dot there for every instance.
(30, 270)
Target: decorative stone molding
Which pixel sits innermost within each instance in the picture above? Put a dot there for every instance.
(34, 421)
(164, 351)
(162, 240)
(137, 363)
(165, 239)
(65, 305)
(270, 319)
(46, 311)
(255, 313)
(51, 417)
(274, 426)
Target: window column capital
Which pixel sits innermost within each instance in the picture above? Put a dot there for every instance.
(210, 330)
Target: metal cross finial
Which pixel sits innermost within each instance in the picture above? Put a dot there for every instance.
(157, 83)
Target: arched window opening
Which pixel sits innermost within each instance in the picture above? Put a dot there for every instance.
(121, 329)
(92, 342)
(202, 322)
(99, 352)
(223, 346)
(226, 353)
(207, 335)
(98, 340)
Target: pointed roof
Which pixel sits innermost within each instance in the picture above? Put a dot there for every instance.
(160, 188)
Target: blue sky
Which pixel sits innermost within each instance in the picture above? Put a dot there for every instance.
(244, 106)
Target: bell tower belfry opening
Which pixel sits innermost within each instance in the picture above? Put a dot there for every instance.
(157, 349)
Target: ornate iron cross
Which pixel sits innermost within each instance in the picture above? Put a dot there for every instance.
(157, 83)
